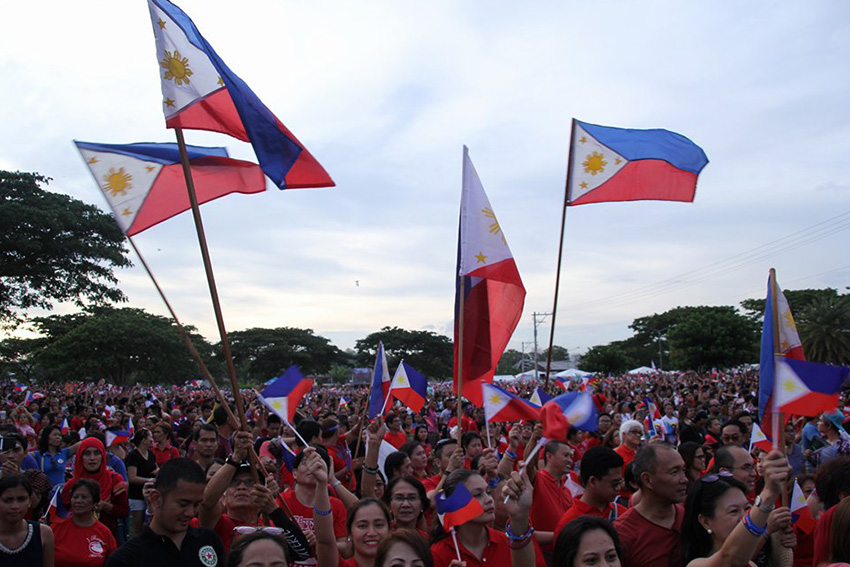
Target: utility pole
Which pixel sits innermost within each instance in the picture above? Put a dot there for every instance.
(522, 360)
(542, 317)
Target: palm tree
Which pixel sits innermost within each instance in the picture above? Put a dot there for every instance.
(825, 330)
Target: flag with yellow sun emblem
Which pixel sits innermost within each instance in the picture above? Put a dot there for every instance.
(620, 164)
(492, 290)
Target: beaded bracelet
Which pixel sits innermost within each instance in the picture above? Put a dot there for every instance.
(370, 470)
(752, 528)
(512, 538)
(321, 512)
(494, 482)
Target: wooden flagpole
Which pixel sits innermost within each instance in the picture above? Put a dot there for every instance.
(205, 254)
(778, 416)
(560, 253)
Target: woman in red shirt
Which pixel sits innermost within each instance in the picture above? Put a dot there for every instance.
(81, 540)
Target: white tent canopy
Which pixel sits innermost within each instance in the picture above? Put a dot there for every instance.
(573, 373)
(643, 370)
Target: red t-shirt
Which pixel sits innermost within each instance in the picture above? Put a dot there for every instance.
(646, 544)
(78, 546)
(466, 424)
(551, 501)
(164, 455)
(396, 439)
(628, 456)
(224, 529)
(496, 554)
(823, 537)
(431, 482)
(579, 508)
(303, 516)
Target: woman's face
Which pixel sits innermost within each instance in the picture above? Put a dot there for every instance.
(402, 555)
(263, 553)
(82, 503)
(474, 448)
(212, 470)
(92, 459)
(405, 504)
(369, 528)
(728, 511)
(596, 549)
(55, 438)
(406, 468)
(14, 504)
(699, 461)
(477, 486)
(379, 487)
(418, 458)
(421, 436)
(157, 435)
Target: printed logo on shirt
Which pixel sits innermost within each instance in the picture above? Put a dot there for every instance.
(97, 547)
(208, 556)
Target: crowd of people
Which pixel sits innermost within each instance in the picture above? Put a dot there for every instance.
(97, 474)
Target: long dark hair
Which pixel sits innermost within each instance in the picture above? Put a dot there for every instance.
(568, 541)
(702, 501)
(687, 450)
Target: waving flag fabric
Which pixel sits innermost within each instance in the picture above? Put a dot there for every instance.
(807, 388)
(801, 516)
(571, 409)
(500, 405)
(759, 439)
(409, 387)
(649, 427)
(284, 394)
(380, 383)
(144, 184)
(493, 294)
(621, 164)
(65, 428)
(539, 397)
(113, 437)
(652, 409)
(457, 509)
(789, 346)
(200, 92)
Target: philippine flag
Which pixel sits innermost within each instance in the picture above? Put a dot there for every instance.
(789, 346)
(113, 437)
(539, 397)
(488, 287)
(65, 428)
(284, 394)
(144, 184)
(500, 405)
(409, 387)
(380, 383)
(801, 515)
(759, 439)
(457, 509)
(649, 426)
(200, 92)
(807, 388)
(574, 409)
(652, 409)
(621, 164)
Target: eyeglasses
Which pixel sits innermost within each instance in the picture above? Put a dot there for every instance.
(247, 530)
(401, 498)
(635, 432)
(715, 477)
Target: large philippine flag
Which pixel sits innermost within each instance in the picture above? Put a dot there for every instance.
(621, 164)
(807, 388)
(500, 405)
(284, 394)
(789, 347)
(381, 380)
(492, 291)
(144, 184)
(200, 92)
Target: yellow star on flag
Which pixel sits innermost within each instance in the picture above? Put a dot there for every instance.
(618, 161)
(583, 140)
(494, 399)
(161, 23)
(277, 405)
(789, 319)
(583, 184)
(149, 168)
(126, 212)
(93, 160)
(169, 103)
(481, 258)
(220, 82)
(790, 386)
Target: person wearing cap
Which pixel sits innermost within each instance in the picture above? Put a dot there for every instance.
(831, 428)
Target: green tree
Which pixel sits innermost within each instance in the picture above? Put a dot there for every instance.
(53, 248)
(18, 357)
(119, 345)
(558, 353)
(606, 359)
(509, 363)
(704, 337)
(260, 354)
(824, 327)
(429, 353)
(798, 299)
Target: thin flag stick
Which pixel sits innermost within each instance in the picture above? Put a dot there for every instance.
(205, 254)
(530, 456)
(778, 416)
(560, 255)
(460, 364)
(457, 547)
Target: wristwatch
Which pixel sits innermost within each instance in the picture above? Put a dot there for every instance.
(232, 462)
(765, 507)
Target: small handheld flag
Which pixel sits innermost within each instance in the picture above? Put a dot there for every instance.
(380, 383)
(65, 428)
(807, 388)
(801, 515)
(116, 437)
(571, 409)
(759, 439)
(539, 397)
(457, 509)
(284, 394)
(500, 405)
(409, 387)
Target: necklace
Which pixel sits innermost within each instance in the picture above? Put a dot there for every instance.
(21, 547)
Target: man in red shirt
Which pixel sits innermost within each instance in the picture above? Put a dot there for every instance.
(551, 498)
(395, 436)
(650, 532)
(601, 476)
(449, 458)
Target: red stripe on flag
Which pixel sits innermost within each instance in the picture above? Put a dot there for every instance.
(646, 179)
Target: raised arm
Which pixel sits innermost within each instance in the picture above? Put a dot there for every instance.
(519, 491)
(327, 552)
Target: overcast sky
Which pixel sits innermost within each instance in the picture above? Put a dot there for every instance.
(384, 94)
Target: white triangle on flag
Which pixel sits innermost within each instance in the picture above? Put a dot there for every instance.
(593, 163)
(788, 386)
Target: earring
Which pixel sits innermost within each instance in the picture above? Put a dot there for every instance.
(708, 530)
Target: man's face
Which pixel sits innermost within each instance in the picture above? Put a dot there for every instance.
(669, 480)
(606, 487)
(446, 455)
(561, 460)
(393, 425)
(207, 444)
(13, 456)
(173, 511)
(274, 430)
(714, 407)
(604, 424)
(731, 435)
(744, 470)
(238, 494)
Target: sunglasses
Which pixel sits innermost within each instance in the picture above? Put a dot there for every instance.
(715, 477)
(247, 530)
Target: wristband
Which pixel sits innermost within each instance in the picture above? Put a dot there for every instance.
(336, 483)
(370, 470)
(321, 512)
(752, 528)
(494, 482)
(232, 462)
(511, 455)
(519, 540)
